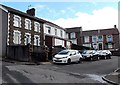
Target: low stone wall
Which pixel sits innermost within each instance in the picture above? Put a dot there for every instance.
(116, 53)
(26, 53)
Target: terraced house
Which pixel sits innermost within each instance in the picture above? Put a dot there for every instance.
(20, 29)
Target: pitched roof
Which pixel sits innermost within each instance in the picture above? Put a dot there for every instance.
(29, 16)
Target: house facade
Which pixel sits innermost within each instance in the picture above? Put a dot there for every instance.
(74, 35)
(19, 28)
(101, 39)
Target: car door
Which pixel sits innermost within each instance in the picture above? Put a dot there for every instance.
(73, 56)
(77, 55)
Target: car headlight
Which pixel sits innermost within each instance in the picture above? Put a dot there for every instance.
(65, 57)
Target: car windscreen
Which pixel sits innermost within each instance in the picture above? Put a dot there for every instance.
(63, 52)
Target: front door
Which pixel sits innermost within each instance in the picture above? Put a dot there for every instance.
(100, 46)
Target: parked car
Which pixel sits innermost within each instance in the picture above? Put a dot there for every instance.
(67, 56)
(95, 55)
(104, 54)
(87, 54)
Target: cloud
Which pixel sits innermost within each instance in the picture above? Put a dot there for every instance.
(99, 19)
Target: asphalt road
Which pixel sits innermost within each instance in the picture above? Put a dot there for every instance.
(85, 72)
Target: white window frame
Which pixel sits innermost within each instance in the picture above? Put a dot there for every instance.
(110, 46)
(93, 39)
(72, 35)
(28, 24)
(35, 40)
(98, 38)
(61, 33)
(107, 38)
(86, 39)
(17, 38)
(74, 41)
(29, 39)
(56, 31)
(37, 27)
(17, 21)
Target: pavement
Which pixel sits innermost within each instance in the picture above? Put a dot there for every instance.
(26, 63)
(113, 78)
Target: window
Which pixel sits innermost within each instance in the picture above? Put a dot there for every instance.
(74, 41)
(61, 33)
(72, 35)
(17, 21)
(109, 38)
(110, 45)
(49, 30)
(55, 31)
(28, 24)
(37, 40)
(37, 27)
(17, 37)
(94, 39)
(27, 38)
(86, 39)
(100, 39)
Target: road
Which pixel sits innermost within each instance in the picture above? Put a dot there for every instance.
(85, 72)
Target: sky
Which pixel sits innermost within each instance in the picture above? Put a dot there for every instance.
(88, 15)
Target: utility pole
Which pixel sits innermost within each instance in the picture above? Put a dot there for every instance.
(119, 23)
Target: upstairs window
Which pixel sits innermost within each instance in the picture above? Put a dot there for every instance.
(17, 21)
(86, 39)
(94, 39)
(109, 38)
(37, 27)
(55, 31)
(100, 38)
(61, 33)
(72, 35)
(28, 24)
(49, 30)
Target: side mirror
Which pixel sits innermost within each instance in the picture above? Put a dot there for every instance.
(70, 54)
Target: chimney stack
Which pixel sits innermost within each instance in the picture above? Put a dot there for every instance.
(31, 11)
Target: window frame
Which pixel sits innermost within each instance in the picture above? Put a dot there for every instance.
(29, 38)
(86, 39)
(17, 37)
(28, 24)
(36, 27)
(17, 21)
(72, 35)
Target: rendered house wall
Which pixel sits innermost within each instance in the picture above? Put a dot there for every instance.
(3, 30)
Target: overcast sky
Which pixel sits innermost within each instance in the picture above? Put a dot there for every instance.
(89, 15)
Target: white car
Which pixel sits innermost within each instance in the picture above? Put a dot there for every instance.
(105, 54)
(67, 56)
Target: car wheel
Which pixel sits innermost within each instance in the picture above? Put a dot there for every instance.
(109, 57)
(98, 58)
(105, 57)
(68, 61)
(91, 59)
